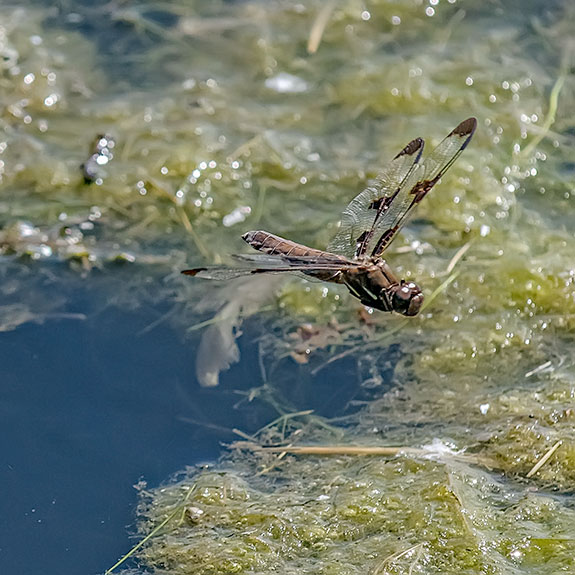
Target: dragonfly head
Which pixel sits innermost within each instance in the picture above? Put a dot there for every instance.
(407, 298)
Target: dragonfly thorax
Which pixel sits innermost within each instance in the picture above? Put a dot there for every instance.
(376, 286)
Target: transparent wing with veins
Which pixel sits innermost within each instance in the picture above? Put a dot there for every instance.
(263, 263)
(372, 219)
(359, 219)
(420, 182)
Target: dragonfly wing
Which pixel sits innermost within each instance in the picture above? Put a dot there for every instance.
(227, 274)
(263, 263)
(360, 217)
(419, 183)
(311, 261)
(218, 273)
(450, 148)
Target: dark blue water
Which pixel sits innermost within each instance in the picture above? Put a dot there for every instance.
(90, 407)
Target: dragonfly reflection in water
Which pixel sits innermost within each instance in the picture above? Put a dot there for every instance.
(368, 225)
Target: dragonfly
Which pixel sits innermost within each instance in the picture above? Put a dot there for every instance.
(368, 225)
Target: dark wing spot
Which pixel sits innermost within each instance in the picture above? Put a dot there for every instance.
(381, 204)
(466, 127)
(384, 240)
(388, 233)
(421, 188)
(363, 237)
(193, 272)
(412, 148)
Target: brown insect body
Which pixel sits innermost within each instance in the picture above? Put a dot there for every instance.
(369, 224)
(371, 280)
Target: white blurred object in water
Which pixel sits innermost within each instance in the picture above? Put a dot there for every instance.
(236, 216)
(285, 83)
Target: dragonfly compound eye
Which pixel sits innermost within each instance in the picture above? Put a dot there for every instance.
(407, 299)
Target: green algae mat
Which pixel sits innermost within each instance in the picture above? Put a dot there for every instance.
(155, 135)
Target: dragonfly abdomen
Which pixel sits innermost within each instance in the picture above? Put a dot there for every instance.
(274, 245)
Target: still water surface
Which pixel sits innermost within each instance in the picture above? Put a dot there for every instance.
(90, 408)
(220, 109)
(97, 401)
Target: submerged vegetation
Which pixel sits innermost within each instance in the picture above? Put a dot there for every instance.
(229, 116)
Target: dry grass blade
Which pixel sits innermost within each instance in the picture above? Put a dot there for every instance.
(553, 106)
(381, 569)
(544, 459)
(543, 367)
(190, 229)
(180, 508)
(441, 288)
(458, 255)
(338, 450)
(318, 27)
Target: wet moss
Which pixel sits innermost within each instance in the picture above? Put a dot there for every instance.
(223, 112)
(358, 514)
(486, 367)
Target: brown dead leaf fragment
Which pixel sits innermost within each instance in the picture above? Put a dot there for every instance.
(308, 338)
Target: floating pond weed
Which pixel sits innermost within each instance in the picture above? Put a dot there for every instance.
(221, 113)
(463, 374)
